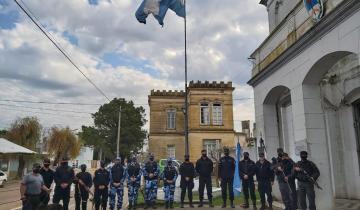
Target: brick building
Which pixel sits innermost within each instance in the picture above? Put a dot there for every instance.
(211, 124)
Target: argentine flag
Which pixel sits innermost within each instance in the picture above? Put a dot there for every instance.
(158, 9)
(237, 180)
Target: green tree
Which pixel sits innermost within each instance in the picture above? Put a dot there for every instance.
(62, 142)
(25, 132)
(3, 133)
(103, 135)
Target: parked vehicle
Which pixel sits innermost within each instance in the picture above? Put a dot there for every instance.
(162, 164)
(3, 178)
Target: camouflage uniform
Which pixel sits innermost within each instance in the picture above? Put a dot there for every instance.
(133, 177)
(117, 177)
(151, 167)
(169, 175)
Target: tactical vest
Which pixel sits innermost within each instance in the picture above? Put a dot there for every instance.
(117, 173)
(169, 173)
(133, 169)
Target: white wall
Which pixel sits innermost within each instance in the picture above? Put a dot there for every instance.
(309, 125)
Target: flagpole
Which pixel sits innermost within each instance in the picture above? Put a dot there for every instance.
(186, 92)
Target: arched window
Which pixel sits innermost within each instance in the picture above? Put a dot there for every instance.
(217, 114)
(204, 113)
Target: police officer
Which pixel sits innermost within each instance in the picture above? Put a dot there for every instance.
(204, 167)
(117, 178)
(288, 164)
(101, 183)
(83, 183)
(48, 176)
(247, 172)
(187, 173)
(151, 172)
(169, 177)
(306, 172)
(64, 176)
(133, 177)
(265, 178)
(226, 173)
(282, 169)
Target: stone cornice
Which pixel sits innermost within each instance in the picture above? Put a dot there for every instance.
(207, 85)
(330, 21)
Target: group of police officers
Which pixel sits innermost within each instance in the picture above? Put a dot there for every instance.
(109, 183)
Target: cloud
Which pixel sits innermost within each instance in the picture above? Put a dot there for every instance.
(221, 35)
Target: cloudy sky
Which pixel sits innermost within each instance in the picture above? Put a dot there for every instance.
(123, 57)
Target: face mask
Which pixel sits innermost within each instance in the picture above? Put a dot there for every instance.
(102, 165)
(246, 157)
(36, 170)
(203, 155)
(46, 165)
(280, 155)
(304, 157)
(226, 153)
(187, 159)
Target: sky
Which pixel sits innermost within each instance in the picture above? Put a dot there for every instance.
(122, 57)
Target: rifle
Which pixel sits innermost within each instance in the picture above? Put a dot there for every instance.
(275, 165)
(312, 180)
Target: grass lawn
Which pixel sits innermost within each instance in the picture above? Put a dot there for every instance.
(217, 201)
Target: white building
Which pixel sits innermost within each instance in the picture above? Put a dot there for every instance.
(306, 81)
(85, 157)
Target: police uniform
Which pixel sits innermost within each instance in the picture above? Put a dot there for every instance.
(226, 173)
(133, 177)
(48, 177)
(101, 182)
(169, 175)
(284, 186)
(81, 192)
(204, 167)
(64, 175)
(117, 178)
(151, 167)
(265, 177)
(187, 173)
(306, 177)
(247, 167)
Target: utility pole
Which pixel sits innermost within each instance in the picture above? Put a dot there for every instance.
(186, 92)
(118, 137)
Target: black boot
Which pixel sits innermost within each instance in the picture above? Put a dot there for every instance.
(191, 204)
(254, 206)
(130, 206)
(263, 206)
(211, 204)
(224, 204)
(246, 204)
(146, 205)
(171, 204)
(166, 204)
(232, 204)
(134, 205)
(153, 205)
(270, 206)
(201, 204)
(182, 204)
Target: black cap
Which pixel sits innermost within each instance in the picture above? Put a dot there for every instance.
(46, 161)
(226, 149)
(261, 154)
(204, 150)
(280, 150)
(187, 156)
(302, 153)
(246, 154)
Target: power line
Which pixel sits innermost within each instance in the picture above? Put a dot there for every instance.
(47, 109)
(46, 113)
(60, 49)
(53, 103)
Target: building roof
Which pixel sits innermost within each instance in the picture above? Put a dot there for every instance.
(7, 147)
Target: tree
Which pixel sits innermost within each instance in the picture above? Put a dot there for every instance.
(3, 133)
(62, 142)
(25, 132)
(103, 135)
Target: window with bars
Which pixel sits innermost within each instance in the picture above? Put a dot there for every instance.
(211, 146)
(204, 114)
(171, 151)
(171, 119)
(217, 114)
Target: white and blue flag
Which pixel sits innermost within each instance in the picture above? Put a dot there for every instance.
(158, 9)
(237, 180)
